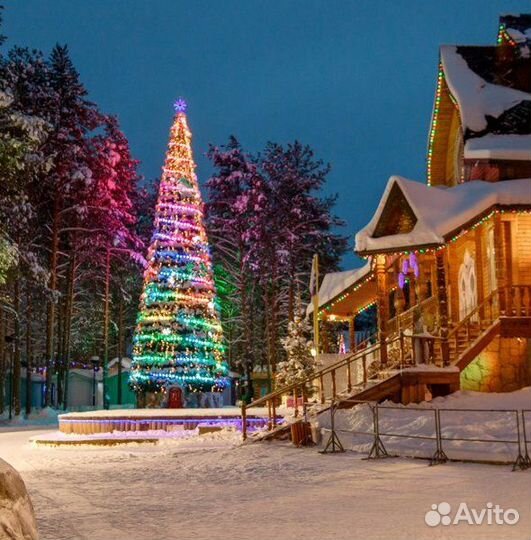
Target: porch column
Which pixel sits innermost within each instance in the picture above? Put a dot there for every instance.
(413, 299)
(325, 336)
(382, 305)
(421, 284)
(442, 297)
(352, 333)
(503, 281)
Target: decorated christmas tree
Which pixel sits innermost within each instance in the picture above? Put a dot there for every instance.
(178, 338)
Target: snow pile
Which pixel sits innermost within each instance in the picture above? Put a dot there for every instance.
(441, 211)
(17, 520)
(355, 426)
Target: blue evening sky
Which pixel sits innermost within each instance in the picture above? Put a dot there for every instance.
(354, 79)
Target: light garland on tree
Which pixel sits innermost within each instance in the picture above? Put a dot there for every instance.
(504, 37)
(178, 339)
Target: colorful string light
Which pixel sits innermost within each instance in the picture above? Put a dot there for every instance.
(178, 339)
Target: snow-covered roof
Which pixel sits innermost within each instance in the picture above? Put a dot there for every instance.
(335, 283)
(515, 147)
(477, 98)
(441, 210)
(518, 28)
(126, 362)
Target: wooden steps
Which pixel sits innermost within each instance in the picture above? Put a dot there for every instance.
(477, 345)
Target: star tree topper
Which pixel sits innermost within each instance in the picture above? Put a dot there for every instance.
(180, 105)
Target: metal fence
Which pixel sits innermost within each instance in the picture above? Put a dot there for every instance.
(440, 437)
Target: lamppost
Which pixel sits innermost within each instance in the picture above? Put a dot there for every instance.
(95, 363)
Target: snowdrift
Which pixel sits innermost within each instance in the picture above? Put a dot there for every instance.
(464, 415)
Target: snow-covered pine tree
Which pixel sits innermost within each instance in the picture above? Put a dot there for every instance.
(299, 361)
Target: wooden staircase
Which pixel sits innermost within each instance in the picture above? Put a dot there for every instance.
(361, 376)
(505, 312)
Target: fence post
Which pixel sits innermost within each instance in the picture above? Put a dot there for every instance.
(439, 456)
(527, 458)
(274, 410)
(349, 384)
(333, 445)
(364, 360)
(321, 388)
(520, 462)
(378, 449)
(334, 393)
(244, 421)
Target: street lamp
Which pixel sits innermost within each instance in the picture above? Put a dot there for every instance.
(95, 363)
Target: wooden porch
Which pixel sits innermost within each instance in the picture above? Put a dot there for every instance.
(398, 369)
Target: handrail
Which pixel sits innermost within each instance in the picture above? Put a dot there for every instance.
(364, 342)
(358, 355)
(315, 375)
(473, 313)
(398, 318)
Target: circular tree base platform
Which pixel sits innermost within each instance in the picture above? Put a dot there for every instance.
(118, 420)
(91, 441)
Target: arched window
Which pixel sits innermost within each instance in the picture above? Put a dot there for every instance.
(467, 286)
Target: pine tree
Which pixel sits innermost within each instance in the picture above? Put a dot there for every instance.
(299, 361)
(178, 338)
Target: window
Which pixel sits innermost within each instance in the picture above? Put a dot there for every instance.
(467, 286)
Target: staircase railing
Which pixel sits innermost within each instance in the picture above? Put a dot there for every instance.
(406, 318)
(327, 380)
(510, 301)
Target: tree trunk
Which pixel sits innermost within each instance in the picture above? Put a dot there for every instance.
(120, 347)
(68, 324)
(106, 301)
(16, 351)
(2, 359)
(29, 354)
(50, 319)
(59, 363)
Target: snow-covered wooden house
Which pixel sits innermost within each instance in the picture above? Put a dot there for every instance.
(449, 260)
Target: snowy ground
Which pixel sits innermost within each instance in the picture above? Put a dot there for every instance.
(210, 487)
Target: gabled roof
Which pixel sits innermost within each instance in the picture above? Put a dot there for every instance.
(335, 283)
(440, 211)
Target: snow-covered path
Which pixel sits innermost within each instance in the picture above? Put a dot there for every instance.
(214, 489)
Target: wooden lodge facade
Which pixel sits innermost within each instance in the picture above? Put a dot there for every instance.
(449, 260)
